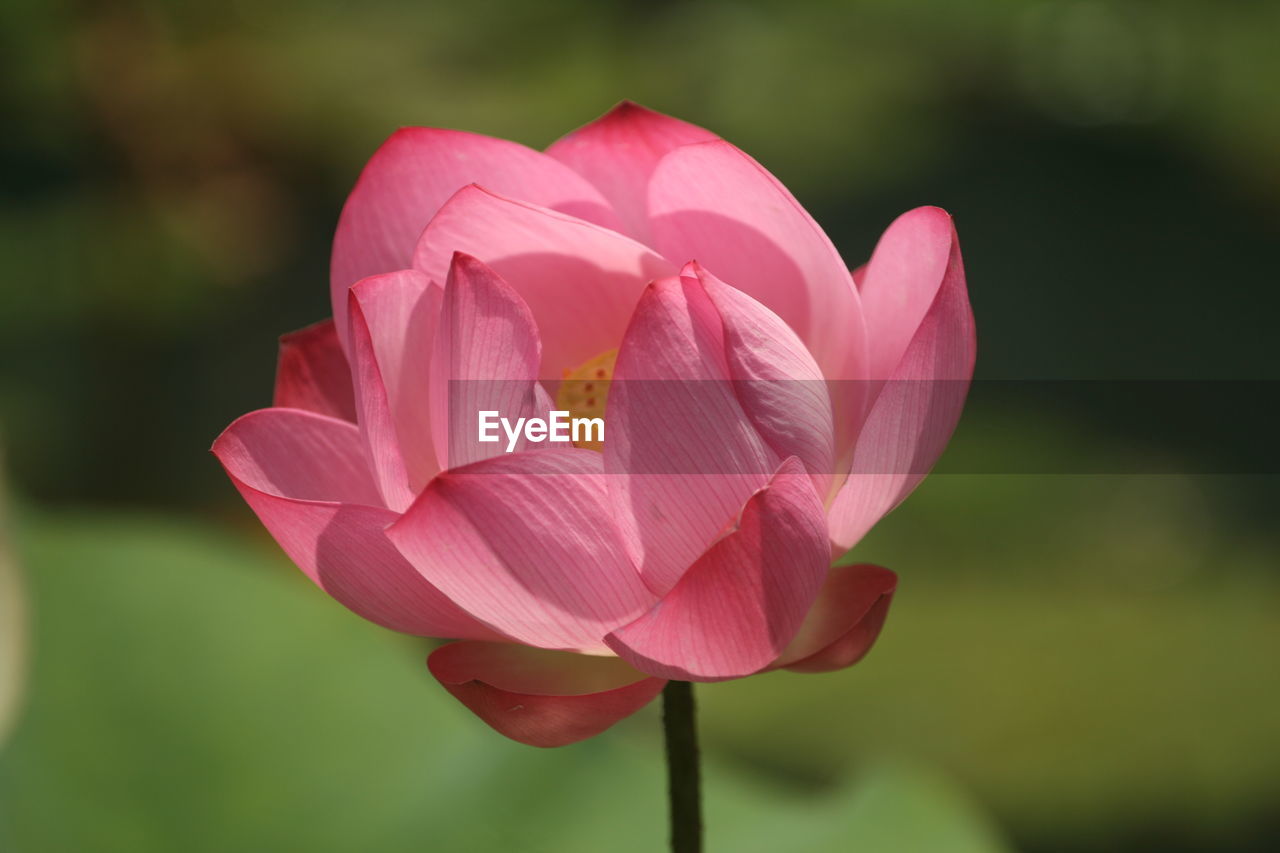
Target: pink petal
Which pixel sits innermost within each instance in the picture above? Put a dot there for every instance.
(915, 412)
(526, 542)
(618, 152)
(844, 621)
(713, 203)
(414, 172)
(393, 326)
(741, 603)
(487, 354)
(297, 454)
(312, 373)
(539, 697)
(901, 281)
(675, 428)
(775, 378)
(305, 476)
(580, 281)
(859, 276)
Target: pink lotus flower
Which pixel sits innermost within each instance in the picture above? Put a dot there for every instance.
(747, 375)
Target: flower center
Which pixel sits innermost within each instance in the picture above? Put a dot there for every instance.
(585, 389)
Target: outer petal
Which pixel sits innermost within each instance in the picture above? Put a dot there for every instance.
(580, 281)
(297, 454)
(775, 378)
(540, 697)
(859, 276)
(312, 373)
(486, 358)
(741, 603)
(712, 202)
(845, 620)
(915, 412)
(901, 282)
(618, 152)
(393, 325)
(526, 542)
(685, 453)
(304, 475)
(414, 172)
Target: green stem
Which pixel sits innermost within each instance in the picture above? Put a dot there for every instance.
(683, 776)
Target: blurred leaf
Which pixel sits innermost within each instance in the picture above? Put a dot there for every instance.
(1092, 655)
(190, 693)
(895, 806)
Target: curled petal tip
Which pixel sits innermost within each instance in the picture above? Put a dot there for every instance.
(845, 621)
(538, 697)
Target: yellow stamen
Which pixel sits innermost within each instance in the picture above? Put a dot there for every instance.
(585, 390)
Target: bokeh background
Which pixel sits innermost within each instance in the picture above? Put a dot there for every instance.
(1078, 658)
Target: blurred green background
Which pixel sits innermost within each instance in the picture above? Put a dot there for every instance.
(1073, 662)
